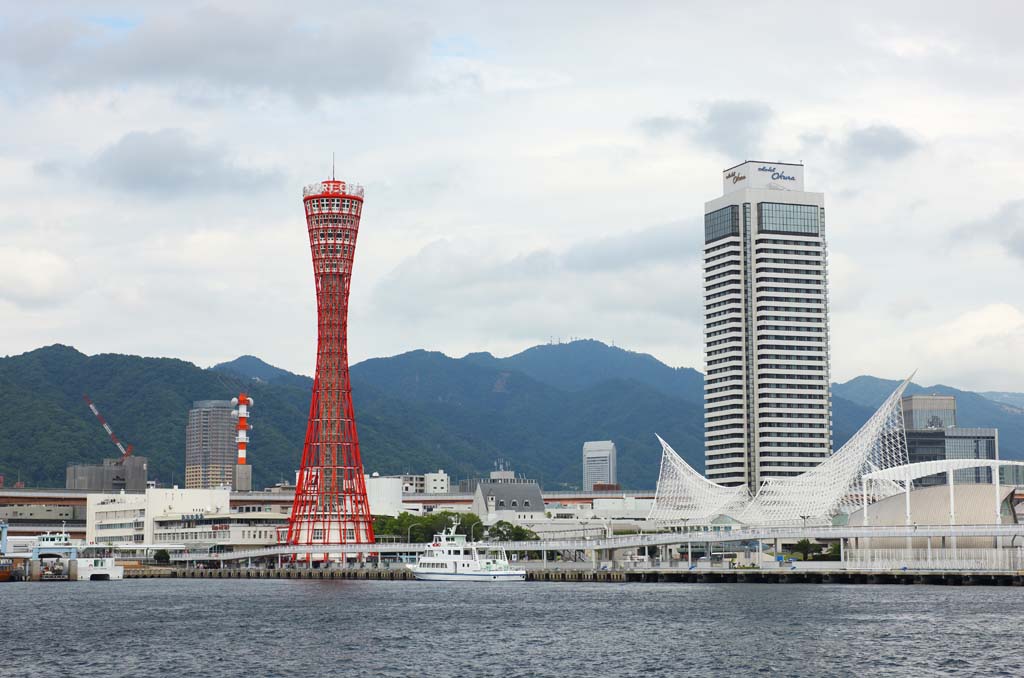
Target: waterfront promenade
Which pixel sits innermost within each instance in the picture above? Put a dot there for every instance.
(1011, 535)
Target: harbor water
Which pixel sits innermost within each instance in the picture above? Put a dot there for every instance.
(168, 627)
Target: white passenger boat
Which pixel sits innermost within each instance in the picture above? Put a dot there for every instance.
(450, 558)
(62, 558)
(98, 569)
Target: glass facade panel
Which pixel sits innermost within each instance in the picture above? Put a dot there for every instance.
(776, 217)
(722, 223)
(924, 412)
(966, 446)
(952, 443)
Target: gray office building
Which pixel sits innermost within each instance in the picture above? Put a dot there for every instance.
(210, 445)
(932, 435)
(113, 475)
(599, 464)
(924, 412)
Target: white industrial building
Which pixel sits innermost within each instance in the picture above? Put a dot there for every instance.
(767, 404)
(384, 494)
(191, 517)
(426, 483)
(436, 483)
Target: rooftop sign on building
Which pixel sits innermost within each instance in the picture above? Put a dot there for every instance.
(763, 175)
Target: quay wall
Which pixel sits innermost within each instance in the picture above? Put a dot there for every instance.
(764, 576)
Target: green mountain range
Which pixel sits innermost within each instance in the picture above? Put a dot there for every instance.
(416, 411)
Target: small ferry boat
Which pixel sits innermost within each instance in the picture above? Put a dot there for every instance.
(450, 558)
(98, 569)
(8, 572)
(57, 551)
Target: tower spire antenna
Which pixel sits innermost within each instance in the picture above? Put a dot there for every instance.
(332, 167)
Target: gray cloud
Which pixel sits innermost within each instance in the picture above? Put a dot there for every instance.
(616, 275)
(168, 163)
(211, 53)
(1006, 227)
(663, 125)
(878, 142)
(676, 242)
(733, 128)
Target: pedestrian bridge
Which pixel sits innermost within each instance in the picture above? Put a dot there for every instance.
(1006, 533)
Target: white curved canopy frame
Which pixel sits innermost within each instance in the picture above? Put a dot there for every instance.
(814, 497)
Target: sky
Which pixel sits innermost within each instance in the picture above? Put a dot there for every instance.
(534, 172)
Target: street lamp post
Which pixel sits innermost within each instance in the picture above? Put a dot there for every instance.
(408, 533)
(473, 528)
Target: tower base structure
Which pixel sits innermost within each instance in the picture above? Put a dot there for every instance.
(242, 478)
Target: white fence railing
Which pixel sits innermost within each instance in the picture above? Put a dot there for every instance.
(935, 559)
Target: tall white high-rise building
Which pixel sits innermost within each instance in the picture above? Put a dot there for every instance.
(767, 405)
(598, 463)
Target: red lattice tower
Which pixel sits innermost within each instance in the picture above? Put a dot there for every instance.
(330, 504)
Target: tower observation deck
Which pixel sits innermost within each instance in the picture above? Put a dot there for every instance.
(330, 505)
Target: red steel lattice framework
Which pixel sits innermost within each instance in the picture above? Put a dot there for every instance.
(330, 504)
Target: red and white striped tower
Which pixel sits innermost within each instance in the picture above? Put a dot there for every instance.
(330, 506)
(242, 476)
(242, 404)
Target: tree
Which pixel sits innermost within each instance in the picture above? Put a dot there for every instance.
(834, 552)
(805, 548)
(506, 531)
(162, 557)
(421, 529)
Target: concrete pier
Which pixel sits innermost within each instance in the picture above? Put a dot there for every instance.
(651, 575)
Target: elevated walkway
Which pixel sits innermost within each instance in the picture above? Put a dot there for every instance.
(746, 534)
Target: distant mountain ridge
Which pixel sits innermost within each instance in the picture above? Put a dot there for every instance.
(252, 368)
(1005, 397)
(591, 362)
(416, 411)
(972, 409)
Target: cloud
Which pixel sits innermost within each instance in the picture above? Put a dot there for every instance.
(169, 163)
(977, 347)
(878, 142)
(639, 284)
(1006, 227)
(663, 125)
(676, 242)
(498, 135)
(212, 53)
(733, 128)
(33, 277)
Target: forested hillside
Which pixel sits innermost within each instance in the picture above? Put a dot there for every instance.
(416, 411)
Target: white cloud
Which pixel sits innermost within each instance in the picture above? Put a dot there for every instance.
(34, 277)
(977, 348)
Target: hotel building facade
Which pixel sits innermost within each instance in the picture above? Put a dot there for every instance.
(767, 403)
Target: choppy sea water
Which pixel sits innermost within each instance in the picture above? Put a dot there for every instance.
(364, 628)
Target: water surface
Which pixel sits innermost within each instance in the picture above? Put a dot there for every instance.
(166, 627)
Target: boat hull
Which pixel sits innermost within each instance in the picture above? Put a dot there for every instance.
(515, 575)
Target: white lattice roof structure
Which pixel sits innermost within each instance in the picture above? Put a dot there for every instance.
(815, 497)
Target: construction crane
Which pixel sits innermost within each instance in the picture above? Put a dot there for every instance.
(125, 452)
